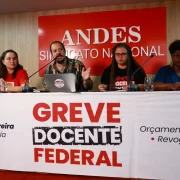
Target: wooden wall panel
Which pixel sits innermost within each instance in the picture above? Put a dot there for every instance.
(19, 31)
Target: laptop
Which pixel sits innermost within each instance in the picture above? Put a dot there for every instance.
(60, 82)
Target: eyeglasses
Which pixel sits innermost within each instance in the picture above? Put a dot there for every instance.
(121, 54)
(176, 56)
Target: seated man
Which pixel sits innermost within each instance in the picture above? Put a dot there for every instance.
(168, 77)
(63, 64)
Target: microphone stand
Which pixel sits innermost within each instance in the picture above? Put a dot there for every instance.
(129, 70)
(135, 87)
(26, 88)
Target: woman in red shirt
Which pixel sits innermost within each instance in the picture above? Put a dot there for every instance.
(11, 71)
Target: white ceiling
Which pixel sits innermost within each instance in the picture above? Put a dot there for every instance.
(20, 6)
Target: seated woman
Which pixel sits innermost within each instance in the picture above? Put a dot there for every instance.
(168, 77)
(118, 75)
(11, 72)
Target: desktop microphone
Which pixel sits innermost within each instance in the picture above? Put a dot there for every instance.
(135, 87)
(30, 89)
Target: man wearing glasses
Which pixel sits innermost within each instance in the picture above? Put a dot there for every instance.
(168, 77)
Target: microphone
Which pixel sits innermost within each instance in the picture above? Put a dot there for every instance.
(30, 89)
(135, 87)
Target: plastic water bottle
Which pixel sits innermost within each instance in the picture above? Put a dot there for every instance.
(2, 85)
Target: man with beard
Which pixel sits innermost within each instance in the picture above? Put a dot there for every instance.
(63, 64)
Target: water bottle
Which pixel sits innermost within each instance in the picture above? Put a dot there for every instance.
(2, 85)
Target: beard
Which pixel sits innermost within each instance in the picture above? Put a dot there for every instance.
(62, 60)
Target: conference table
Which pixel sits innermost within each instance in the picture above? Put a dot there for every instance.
(90, 135)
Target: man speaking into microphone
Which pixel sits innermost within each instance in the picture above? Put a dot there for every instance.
(63, 64)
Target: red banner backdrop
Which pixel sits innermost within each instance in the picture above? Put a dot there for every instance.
(90, 37)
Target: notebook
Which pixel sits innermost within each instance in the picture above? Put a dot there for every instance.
(60, 82)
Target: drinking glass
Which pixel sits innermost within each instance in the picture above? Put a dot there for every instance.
(149, 84)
